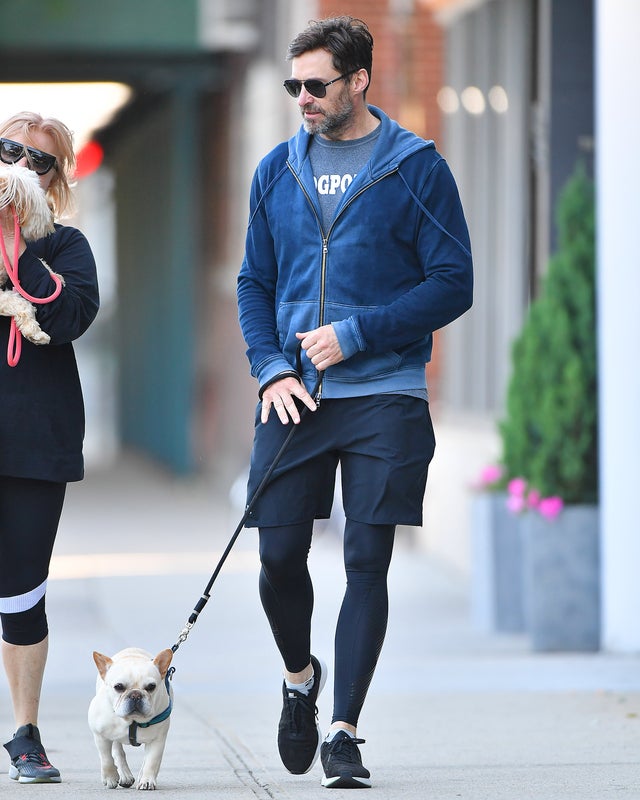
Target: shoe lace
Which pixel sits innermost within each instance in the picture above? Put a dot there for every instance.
(297, 706)
(348, 747)
(35, 758)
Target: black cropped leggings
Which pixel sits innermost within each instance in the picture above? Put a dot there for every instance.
(286, 592)
(29, 515)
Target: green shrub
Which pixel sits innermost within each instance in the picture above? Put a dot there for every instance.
(549, 435)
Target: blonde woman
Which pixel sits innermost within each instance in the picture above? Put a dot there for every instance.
(41, 426)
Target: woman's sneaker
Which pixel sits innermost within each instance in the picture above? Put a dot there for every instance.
(29, 762)
(342, 763)
(299, 736)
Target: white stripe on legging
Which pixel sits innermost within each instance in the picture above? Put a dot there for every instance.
(22, 602)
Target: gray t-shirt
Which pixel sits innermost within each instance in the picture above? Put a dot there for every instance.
(335, 164)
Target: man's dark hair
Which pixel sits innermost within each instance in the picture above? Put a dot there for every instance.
(347, 39)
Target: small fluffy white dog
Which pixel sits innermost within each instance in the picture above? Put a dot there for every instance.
(20, 189)
(132, 706)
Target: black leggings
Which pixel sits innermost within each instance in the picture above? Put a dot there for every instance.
(286, 592)
(29, 515)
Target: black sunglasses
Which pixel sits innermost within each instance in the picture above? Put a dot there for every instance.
(37, 160)
(314, 86)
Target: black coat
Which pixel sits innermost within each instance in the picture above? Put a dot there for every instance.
(41, 405)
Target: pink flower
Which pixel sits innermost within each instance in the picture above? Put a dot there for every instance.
(517, 487)
(550, 507)
(533, 499)
(490, 474)
(515, 503)
(488, 477)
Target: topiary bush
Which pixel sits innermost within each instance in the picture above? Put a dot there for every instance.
(550, 431)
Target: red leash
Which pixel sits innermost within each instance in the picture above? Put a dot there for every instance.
(14, 348)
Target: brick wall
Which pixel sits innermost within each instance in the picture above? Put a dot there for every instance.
(407, 61)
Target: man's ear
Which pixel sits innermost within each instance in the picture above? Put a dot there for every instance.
(360, 80)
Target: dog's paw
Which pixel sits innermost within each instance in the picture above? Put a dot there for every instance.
(146, 783)
(37, 335)
(110, 778)
(126, 781)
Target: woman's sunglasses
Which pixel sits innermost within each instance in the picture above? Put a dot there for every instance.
(37, 160)
(314, 86)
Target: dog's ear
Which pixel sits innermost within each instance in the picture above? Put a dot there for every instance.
(162, 661)
(102, 662)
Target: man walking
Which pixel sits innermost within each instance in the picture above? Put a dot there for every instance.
(357, 250)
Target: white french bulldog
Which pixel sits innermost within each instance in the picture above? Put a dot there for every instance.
(132, 706)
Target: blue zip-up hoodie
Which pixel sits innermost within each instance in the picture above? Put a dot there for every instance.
(394, 266)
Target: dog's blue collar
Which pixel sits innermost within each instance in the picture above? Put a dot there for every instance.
(133, 728)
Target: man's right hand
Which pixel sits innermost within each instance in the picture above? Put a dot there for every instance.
(281, 395)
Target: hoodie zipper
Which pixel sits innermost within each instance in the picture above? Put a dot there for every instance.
(325, 240)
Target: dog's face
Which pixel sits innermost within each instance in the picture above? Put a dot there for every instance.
(134, 682)
(20, 190)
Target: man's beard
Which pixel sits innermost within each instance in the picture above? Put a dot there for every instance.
(332, 123)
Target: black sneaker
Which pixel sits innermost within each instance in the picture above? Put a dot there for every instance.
(299, 736)
(342, 763)
(29, 762)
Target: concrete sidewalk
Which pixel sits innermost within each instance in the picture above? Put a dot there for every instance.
(451, 712)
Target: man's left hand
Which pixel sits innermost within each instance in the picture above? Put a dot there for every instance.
(321, 346)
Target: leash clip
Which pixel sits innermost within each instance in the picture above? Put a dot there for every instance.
(183, 636)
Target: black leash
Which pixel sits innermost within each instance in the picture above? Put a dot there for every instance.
(202, 602)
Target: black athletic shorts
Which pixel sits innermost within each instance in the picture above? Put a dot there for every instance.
(383, 443)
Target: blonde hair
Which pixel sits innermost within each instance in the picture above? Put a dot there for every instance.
(59, 193)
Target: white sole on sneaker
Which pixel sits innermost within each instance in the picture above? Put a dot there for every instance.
(346, 782)
(14, 774)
